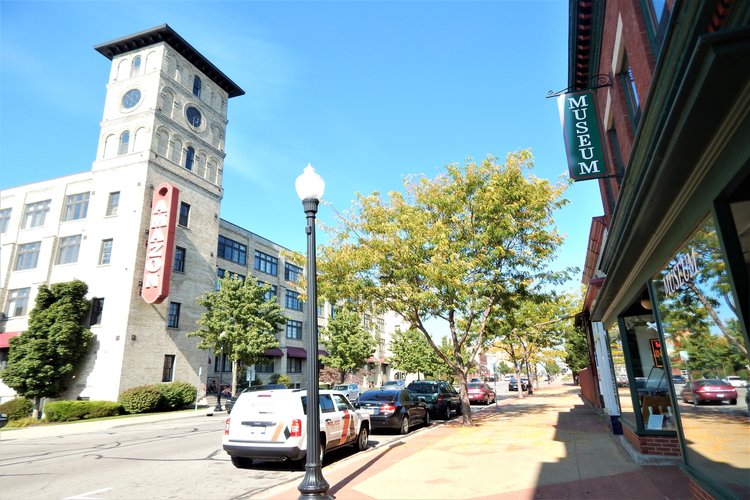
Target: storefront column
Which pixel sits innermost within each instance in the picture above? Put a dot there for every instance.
(607, 386)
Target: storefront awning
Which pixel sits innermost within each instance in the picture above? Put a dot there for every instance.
(5, 338)
(274, 353)
(295, 352)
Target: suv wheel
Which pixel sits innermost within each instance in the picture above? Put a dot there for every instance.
(427, 419)
(361, 443)
(242, 462)
(447, 412)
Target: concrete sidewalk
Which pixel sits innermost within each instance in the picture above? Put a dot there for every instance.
(547, 446)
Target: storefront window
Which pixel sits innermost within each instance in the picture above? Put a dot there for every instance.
(708, 360)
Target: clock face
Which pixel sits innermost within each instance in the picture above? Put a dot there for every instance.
(131, 98)
(193, 116)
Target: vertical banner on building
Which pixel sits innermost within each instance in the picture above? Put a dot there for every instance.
(583, 141)
(160, 246)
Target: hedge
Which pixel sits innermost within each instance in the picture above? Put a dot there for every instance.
(17, 408)
(142, 399)
(66, 411)
(176, 395)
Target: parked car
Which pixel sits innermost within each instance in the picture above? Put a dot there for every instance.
(513, 384)
(441, 397)
(735, 381)
(707, 391)
(678, 379)
(272, 425)
(480, 393)
(3, 420)
(394, 384)
(229, 401)
(351, 391)
(394, 409)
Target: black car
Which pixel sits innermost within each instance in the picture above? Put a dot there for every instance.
(393, 409)
(513, 384)
(441, 398)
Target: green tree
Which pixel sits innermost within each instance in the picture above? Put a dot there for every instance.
(42, 359)
(240, 321)
(411, 353)
(576, 351)
(348, 344)
(458, 247)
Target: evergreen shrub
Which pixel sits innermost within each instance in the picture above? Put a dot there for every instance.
(142, 399)
(176, 395)
(17, 408)
(67, 411)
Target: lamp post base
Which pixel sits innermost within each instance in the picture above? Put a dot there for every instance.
(314, 484)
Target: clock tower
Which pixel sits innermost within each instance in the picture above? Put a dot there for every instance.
(164, 124)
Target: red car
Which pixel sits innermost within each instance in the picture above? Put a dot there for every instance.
(480, 392)
(707, 391)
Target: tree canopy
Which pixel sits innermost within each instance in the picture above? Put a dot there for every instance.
(347, 342)
(474, 240)
(43, 358)
(411, 353)
(241, 321)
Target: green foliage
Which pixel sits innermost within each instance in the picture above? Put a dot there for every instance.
(502, 368)
(348, 344)
(43, 358)
(411, 353)
(576, 350)
(24, 422)
(142, 399)
(68, 411)
(17, 408)
(176, 395)
(281, 378)
(473, 241)
(240, 321)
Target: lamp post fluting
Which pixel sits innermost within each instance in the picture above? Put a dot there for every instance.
(310, 187)
(221, 373)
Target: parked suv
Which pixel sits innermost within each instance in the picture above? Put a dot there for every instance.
(441, 398)
(272, 425)
(351, 391)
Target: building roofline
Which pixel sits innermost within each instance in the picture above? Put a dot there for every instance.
(165, 33)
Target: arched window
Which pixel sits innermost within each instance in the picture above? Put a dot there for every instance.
(135, 68)
(189, 157)
(196, 86)
(124, 140)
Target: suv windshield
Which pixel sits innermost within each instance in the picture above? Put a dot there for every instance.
(423, 388)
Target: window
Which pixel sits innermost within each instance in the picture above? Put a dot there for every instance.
(76, 206)
(167, 373)
(124, 141)
(266, 366)
(293, 329)
(35, 214)
(135, 67)
(272, 293)
(292, 273)
(232, 251)
(105, 253)
(18, 300)
(28, 255)
(321, 309)
(179, 260)
(97, 307)
(293, 365)
(184, 214)
(196, 86)
(67, 252)
(222, 272)
(631, 92)
(223, 364)
(266, 263)
(189, 157)
(113, 203)
(293, 301)
(657, 19)
(173, 315)
(4, 220)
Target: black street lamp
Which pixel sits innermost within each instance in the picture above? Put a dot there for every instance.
(221, 373)
(310, 187)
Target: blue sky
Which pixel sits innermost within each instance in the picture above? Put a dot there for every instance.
(367, 92)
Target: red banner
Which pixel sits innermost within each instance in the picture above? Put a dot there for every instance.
(160, 247)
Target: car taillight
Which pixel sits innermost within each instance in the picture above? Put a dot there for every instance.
(440, 398)
(226, 427)
(296, 428)
(387, 408)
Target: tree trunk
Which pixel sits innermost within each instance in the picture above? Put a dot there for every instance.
(465, 403)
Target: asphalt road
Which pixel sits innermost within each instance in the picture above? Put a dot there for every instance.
(178, 458)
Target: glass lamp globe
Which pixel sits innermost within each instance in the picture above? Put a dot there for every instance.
(309, 185)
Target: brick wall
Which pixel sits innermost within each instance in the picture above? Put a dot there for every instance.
(698, 493)
(667, 446)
